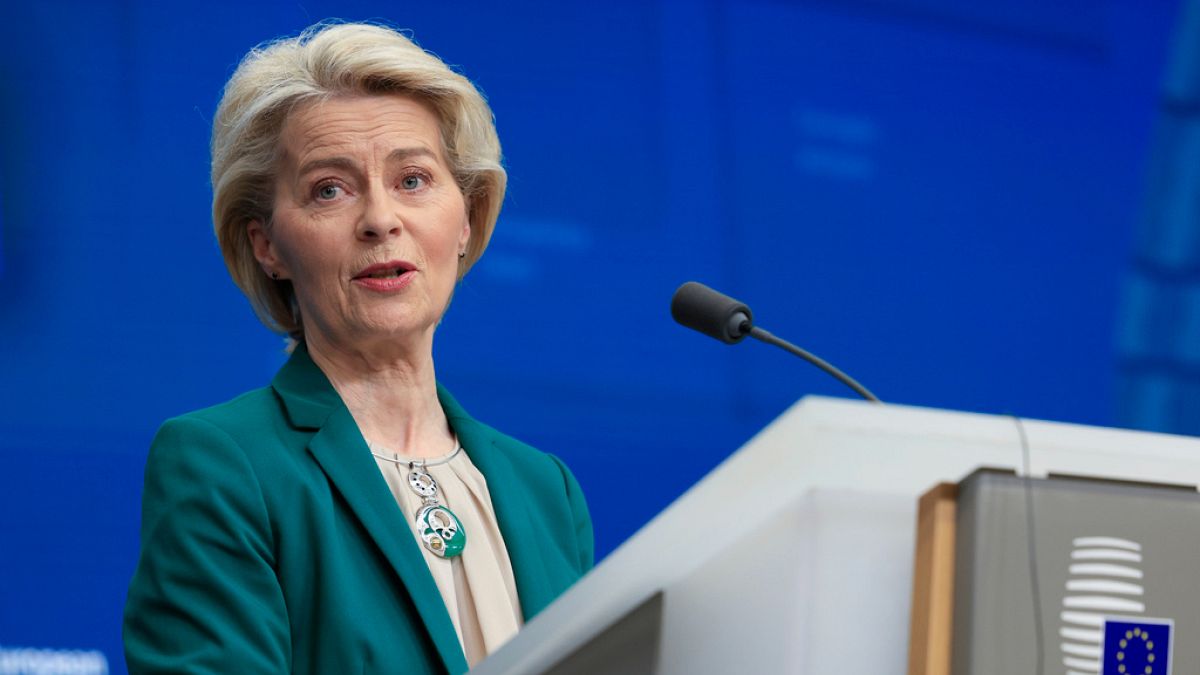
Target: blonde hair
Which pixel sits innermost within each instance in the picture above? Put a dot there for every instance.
(326, 60)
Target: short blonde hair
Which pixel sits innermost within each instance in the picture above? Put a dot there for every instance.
(327, 60)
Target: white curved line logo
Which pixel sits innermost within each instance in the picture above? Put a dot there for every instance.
(1104, 578)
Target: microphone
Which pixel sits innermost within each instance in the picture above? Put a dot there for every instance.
(715, 314)
(719, 316)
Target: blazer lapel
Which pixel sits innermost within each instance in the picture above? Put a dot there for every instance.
(342, 454)
(513, 511)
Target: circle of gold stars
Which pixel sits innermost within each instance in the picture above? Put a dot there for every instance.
(1130, 637)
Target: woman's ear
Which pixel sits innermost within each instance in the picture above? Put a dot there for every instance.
(464, 237)
(264, 250)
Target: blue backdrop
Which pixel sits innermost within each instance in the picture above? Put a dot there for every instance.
(941, 197)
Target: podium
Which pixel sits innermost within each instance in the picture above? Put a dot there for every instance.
(795, 555)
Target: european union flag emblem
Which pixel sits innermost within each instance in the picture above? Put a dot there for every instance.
(1137, 646)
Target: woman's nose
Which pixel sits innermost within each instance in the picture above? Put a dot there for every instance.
(380, 218)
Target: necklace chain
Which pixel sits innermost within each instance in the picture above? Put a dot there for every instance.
(395, 458)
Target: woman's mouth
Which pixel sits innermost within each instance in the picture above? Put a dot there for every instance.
(386, 274)
(385, 277)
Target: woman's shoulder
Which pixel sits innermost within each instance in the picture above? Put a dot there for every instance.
(518, 453)
(542, 471)
(244, 409)
(242, 422)
(515, 450)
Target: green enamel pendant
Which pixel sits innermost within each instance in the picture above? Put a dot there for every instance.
(441, 531)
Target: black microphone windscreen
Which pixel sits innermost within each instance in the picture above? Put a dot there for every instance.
(713, 313)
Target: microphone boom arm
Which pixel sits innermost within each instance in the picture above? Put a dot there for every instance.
(769, 338)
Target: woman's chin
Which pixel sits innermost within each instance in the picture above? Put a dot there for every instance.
(400, 330)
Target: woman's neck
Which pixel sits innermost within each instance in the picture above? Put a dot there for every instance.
(392, 395)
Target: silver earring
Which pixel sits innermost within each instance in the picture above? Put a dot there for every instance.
(275, 276)
(462, 254)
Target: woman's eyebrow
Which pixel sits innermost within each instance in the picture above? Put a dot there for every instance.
(338, 162)
(405, 153)
(347, 164)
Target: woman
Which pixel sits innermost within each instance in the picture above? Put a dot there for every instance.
(351, 517)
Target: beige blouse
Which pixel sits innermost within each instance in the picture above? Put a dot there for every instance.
(477, 586)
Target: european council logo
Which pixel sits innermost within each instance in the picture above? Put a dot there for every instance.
(1137, 646)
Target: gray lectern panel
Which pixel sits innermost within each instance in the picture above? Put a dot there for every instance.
(629, 646)
(1117, 568)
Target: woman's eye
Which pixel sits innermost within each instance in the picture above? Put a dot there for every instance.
(412, 182)
(328, 191)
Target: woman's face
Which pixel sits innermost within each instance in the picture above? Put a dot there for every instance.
(368, 220)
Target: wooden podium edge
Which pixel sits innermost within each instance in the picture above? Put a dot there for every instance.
(931, 623)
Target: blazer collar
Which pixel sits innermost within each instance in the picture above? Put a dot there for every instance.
(306, 393)
(338, 447)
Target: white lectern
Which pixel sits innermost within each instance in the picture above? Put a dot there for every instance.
(795, 554)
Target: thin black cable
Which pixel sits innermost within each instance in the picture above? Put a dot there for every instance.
(1034, 586)
(760, 334)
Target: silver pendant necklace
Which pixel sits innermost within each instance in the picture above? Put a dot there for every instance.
(440, 531)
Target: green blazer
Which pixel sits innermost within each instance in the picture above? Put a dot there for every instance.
(272, 544)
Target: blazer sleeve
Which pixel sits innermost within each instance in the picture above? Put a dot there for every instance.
(204, 597)
(584, 534)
